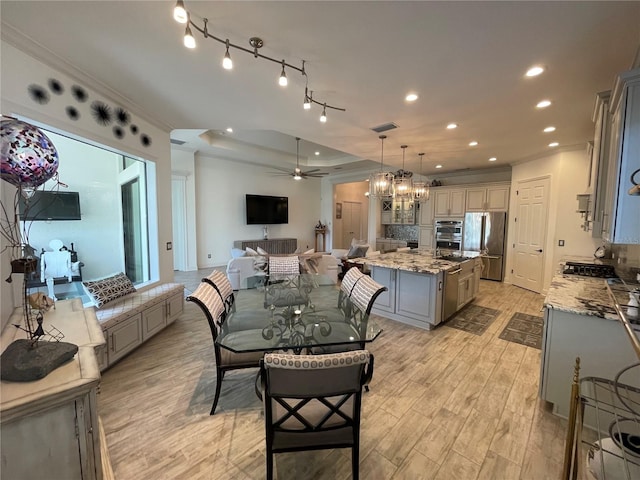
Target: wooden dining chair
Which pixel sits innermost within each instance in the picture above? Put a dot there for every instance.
(313, 402)
(209, 300)
(221, 283)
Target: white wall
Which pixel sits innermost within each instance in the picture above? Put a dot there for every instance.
(19, 70)
(221, 186)
(568, 172)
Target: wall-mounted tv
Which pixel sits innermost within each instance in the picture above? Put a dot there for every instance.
(267, 210)
(49, 206)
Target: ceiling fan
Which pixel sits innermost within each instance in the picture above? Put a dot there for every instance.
(297, 173)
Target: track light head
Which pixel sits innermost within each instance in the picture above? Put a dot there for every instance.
(227, 63)
(180, 13)
(323, 117)
(189, 40)
(282, 81)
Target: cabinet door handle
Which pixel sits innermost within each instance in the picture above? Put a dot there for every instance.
(112, 343)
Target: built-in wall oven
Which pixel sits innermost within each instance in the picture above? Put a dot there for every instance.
(449, 234)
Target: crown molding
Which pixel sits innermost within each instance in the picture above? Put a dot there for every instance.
(27, 45)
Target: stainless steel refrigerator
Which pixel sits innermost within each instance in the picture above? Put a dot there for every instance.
(486, 233)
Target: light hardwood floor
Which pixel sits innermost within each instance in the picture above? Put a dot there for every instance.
(443, 404)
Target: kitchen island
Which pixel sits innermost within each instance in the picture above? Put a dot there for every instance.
(415, 282)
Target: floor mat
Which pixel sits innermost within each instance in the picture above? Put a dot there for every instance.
(473, 319)
(524, 329)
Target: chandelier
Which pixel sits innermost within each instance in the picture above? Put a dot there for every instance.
(381, 183)
(403, 185)
(182, 15)
(420, 187)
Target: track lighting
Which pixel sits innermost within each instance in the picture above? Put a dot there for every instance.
(227, 63)
(189, 41)
(182, 15)
(179, 13)
(282, 81)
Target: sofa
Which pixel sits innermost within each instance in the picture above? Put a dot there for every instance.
(241, 271)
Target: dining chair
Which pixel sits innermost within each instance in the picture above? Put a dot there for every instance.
(284, 286)
(221, 283)
(313, 402)
(208, 299)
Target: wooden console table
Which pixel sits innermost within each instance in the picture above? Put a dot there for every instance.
(49, 427)
(273, 245)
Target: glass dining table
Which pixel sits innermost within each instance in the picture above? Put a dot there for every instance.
(296, 313)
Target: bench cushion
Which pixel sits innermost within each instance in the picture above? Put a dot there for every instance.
(129, 306)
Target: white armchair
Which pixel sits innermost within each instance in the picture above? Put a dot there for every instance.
(240, 269)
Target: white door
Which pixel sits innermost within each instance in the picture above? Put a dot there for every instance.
(351, 222)
(179, 221)
(532, 209)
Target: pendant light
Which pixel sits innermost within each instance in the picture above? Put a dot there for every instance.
(421, 188)
(403, 187)
(381, 183)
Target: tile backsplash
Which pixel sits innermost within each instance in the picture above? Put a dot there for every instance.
(402, 232)
(626, 259)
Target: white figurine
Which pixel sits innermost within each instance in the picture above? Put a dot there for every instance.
(55, 264)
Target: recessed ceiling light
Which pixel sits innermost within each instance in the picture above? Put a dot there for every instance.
(317, 153)
(230, 130)
(438, 166)
(412, 97)
(473, 144)
(543, 104)
(534, 71)
(549, 129)
(451, 126)
(554, 144)
(492, 159)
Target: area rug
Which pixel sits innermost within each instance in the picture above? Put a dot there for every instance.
(524, 329)
(473, 319)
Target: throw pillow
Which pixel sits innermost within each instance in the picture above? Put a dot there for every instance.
(237, 253)
(262, 252)
(357, 251)
(310, 251)
(251, 251)
(105, 290)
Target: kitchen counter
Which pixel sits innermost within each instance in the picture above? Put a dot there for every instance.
(580, 295)
(412, 261)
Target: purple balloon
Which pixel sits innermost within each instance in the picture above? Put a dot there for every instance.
(28, 157)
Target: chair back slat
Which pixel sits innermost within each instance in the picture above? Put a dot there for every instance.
(287, 265)
(349, 280)
(208, 299)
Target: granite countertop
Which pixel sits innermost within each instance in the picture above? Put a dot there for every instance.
(412, 261)
(581, 295)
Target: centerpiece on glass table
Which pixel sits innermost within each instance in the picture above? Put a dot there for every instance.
(28, 160)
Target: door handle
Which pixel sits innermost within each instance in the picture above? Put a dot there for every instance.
(539, 251)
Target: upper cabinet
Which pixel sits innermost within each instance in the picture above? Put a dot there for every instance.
(494, 198)
(449, 202)
(621, 209)
(396, 212)
(599, 161)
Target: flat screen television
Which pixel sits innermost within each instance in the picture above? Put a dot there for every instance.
(49, 206)
(267, 210)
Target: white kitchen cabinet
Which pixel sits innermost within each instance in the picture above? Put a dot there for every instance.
(124, 337)
(153, 320)
(620, 216)
(601, 343)
(412, 298)
(598, 169)
(403, 213)
(465, 289)
(492, 198)
(426, 237)
(477, 274)
(449, 202)
(426, 213)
